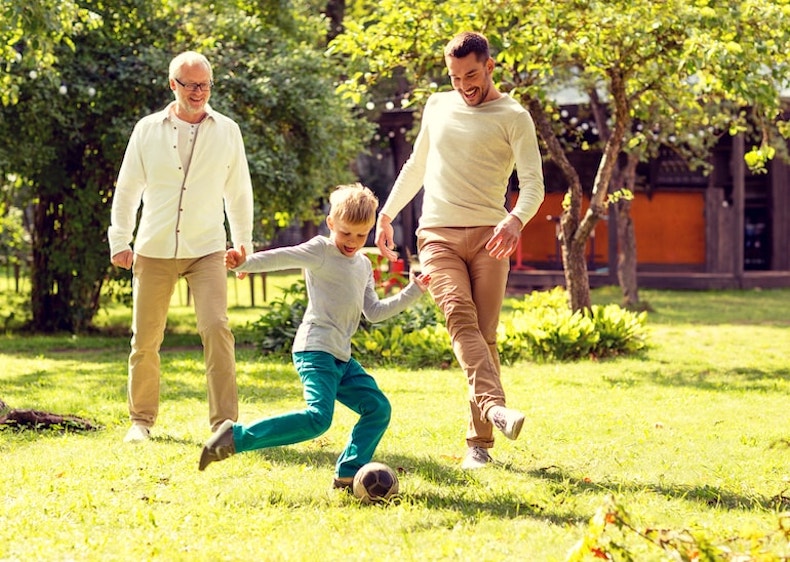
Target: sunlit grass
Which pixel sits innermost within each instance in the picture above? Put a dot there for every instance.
(692, 435)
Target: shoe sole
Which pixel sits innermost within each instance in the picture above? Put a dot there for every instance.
(474, 466)
(214, 454)
(204, 459)
(515, 430)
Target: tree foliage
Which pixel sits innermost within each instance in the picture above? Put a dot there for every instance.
(63, 136)
(654, 73)
(39, 26)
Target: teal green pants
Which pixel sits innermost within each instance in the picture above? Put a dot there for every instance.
(325, 380)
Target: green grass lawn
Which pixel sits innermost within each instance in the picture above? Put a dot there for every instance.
(693, 435)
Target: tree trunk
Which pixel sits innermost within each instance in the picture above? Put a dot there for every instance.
(576, 230)
(572, 241)
(36, 419)
(47, 305)
(69, 247)
(335, 12)
(577, 278)
(626, 239)
(626, 254)
(608, 168)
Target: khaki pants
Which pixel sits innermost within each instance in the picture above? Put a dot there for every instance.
(154, 281)
(468, 285)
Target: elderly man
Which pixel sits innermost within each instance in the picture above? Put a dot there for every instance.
(187, 166)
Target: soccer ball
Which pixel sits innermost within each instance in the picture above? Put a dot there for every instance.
(375, 482)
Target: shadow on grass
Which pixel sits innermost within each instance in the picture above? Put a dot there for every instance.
(459, 489)
(710, 496)
(738, 378)
(99, 373)
(467, 493)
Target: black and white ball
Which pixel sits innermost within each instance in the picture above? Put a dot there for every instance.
(375, 482)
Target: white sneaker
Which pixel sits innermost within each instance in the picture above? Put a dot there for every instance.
(476, 457)
(137, 433)
(507, 421)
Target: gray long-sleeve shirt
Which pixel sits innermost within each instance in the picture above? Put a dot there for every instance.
(339, 290)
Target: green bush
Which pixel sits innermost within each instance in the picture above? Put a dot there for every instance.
(14, 310)
(551, 331)
(541, 328)
(620, 331)
(414, 338)
(556, 334)
(511, 344)
(277, 328)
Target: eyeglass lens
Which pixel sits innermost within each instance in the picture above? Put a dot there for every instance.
(195, 86)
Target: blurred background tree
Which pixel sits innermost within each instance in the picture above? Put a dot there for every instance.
(651, 73)
(79, 73)
(74, 99)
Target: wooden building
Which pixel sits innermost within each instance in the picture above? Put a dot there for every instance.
(727, 230)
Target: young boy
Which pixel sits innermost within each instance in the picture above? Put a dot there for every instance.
(340, 287)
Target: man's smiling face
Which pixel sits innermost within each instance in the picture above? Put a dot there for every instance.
(472, 78)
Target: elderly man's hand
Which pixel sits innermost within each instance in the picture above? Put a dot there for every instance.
(123, 259)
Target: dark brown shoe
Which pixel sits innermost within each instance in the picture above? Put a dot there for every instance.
(219, 446)
(346, 484)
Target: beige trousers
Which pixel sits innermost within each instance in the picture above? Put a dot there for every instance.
(468, 285)
(153, 284)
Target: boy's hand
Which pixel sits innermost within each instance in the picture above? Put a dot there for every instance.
(234, 258)
(422, 280)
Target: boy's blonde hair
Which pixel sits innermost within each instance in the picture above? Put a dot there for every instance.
(353, 204)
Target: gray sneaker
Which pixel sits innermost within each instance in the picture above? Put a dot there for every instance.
(219, 446)
(507, 421)
(476, 457)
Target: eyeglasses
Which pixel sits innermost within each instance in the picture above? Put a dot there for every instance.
(195, 86)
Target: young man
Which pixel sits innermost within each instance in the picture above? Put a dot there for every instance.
(187, 166)
(340, 288)
(469, 141)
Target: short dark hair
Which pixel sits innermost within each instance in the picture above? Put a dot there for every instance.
(466, 43)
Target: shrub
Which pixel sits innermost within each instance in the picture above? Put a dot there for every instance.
(556, 334)
(541, 328)
(619, 330)
(277, 328)
(414, 338)
(551, 331)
